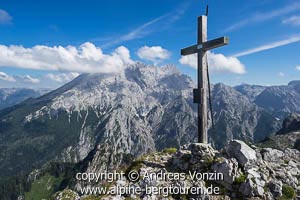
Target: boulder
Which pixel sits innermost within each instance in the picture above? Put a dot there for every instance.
(241, 151)
(202, 151)
(202, 156)
(229, 169)
(257, 179)
(251, 189)
(272, 155)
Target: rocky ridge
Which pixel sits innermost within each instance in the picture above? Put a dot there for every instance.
(248, 172)
(288, 136)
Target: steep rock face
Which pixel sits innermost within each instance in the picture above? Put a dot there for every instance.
(231, 109)
(290, 124)
(288, 136)
(280, 99)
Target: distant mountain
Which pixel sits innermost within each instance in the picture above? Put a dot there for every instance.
(280, 100)
(12, 96)
(251, 91)
(107, 118)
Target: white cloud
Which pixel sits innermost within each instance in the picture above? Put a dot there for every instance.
(261, 17)
(6, 77)
(86, 58)
(297, 67)
(5, 18)
(190, 60)
(154, 53)
(269, 46)
(293, 20)
(29, 79)
(281, 74)
(62, 77)
(217, 63)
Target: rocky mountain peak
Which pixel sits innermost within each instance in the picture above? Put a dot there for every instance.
(251, 91)
(295, 85)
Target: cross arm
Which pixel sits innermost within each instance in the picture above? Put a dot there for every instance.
(189, 50)
(211, 44)
(206, 46)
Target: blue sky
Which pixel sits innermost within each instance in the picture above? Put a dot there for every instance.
(41, 41)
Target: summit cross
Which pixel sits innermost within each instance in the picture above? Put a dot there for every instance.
(201, 93)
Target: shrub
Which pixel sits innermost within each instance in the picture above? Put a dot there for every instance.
(287, 192)
(170, 150)
(241, 179)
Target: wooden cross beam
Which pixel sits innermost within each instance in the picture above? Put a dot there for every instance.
(200, 94)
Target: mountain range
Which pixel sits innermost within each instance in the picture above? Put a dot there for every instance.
(105, 119)
(12, 96)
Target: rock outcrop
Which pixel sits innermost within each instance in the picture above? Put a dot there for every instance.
(240, 172)
(242, 152)
(288, 136)
(290, 124)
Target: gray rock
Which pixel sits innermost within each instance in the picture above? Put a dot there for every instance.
(203, 151)
(292, 154)
(255, 176)
(202, 155)
(272, 155)
(276, 188)
(241, 151)
(180, 159)
(229, 169)
(251, 189)
(247, 188)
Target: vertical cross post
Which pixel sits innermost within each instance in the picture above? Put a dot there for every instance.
(201, 92)
(202, 80)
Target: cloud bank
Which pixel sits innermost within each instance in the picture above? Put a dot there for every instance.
(85, 58)
(155, 54)
(217, 63)
(62, 77)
